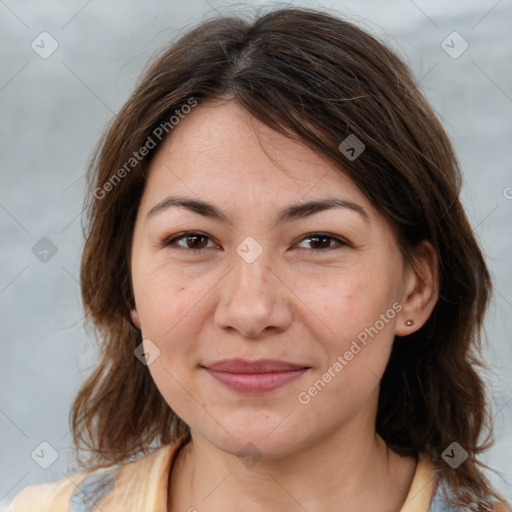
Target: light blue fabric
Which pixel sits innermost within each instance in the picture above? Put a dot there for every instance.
(439, 503)
(92, 490)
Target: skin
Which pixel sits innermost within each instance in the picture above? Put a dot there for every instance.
(298, 302)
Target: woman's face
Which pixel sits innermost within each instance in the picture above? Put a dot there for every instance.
(319, 288)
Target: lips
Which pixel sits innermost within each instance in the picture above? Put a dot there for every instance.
(260, 366)
(254, 376)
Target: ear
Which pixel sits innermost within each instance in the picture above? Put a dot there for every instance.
(134, 315)
(420, 291)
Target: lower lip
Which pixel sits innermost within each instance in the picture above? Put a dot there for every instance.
(256, 382)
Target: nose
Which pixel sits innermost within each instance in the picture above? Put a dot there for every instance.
(254, 300)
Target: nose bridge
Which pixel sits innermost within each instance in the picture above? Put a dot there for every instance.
(252, 299)
(251, 279)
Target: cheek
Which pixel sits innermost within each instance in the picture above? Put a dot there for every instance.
(345, 301)
(174, 384)
(166, 299)
(357, 319)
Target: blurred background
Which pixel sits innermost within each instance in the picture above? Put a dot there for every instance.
(66, 69)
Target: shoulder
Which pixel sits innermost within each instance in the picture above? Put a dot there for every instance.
(59, 495)
(430, 493)
(144, 481)
(443, 495)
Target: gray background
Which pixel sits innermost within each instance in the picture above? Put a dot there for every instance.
(53, 111)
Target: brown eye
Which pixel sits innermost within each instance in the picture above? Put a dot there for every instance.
(323, 241)
(196, 242)
(191, 240)
(320, 242)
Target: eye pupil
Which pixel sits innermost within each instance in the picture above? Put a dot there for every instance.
(195, 245)
(324, 241)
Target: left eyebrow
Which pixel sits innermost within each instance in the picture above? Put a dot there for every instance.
(305, 209)
(287, 214)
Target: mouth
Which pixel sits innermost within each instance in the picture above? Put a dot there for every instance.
(254, 377)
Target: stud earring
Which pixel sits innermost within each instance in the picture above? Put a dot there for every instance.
(409, 322)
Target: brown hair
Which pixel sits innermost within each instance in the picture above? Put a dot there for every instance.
(316, 78)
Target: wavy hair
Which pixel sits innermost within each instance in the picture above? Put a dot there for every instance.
(316, 78)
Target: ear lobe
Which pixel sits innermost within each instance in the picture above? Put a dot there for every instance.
(134, 315)
(420, 292)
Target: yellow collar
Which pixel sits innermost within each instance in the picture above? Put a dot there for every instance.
(422, 488)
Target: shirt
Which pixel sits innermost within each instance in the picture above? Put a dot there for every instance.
(142, 486)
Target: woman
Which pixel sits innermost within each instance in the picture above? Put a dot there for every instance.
(287, 289)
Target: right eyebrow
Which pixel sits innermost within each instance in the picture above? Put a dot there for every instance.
(194, 205)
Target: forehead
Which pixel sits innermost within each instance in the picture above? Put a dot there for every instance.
(219, 151)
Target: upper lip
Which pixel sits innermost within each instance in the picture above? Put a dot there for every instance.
(258, 366)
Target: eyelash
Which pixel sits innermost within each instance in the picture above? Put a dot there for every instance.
(168, 243)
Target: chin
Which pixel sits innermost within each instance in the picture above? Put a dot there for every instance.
(255, 442)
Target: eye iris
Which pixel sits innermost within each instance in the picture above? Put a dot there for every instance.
(194, 244)
(324, 241)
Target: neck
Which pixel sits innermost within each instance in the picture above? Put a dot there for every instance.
(352, 467)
